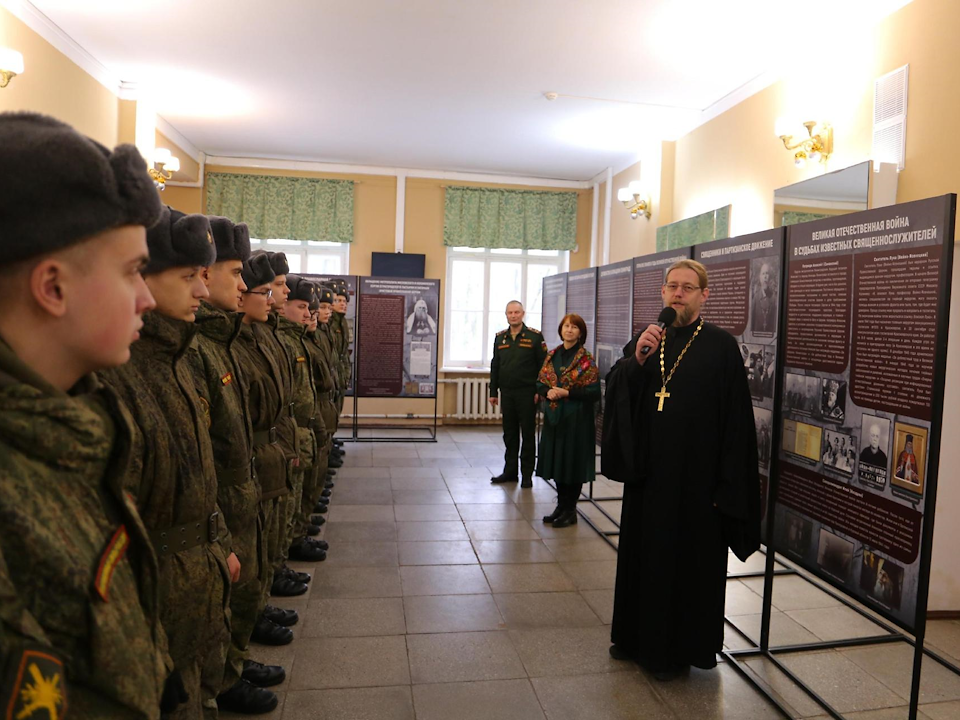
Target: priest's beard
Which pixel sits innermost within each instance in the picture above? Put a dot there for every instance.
(685, 315)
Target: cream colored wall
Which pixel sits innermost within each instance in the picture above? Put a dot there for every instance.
(52, 84)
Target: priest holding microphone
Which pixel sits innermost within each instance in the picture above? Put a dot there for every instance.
(679, 433)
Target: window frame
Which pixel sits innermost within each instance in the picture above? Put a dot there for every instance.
(305, 248)
(486, 256)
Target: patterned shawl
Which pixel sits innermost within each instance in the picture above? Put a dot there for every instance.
(581, 372)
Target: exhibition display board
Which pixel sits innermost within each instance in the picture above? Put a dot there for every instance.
(582, 300)
(554, 307)
(614, 313)
(744, 279)
(397, 336)
(864, 356)
(351, 316)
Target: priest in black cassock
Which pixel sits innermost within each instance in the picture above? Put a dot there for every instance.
(679, 433)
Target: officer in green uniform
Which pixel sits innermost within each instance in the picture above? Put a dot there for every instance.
(518, 354)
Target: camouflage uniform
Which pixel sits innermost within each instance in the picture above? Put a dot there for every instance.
(338, 336)
(220, 382)
(79, 618)
(324, 338)
(326, 408)
(175, 483)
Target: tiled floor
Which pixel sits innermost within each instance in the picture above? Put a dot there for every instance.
(445, 598)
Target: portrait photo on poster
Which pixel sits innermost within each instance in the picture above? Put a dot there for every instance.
(874, 451)
(910, 444)
(758, 362)
(764, 293)
(833, 400)
(797, 533)
(802, 393)
(835, 555)
(764, 422)
(421, 317)
(881, 580)
(839, 452)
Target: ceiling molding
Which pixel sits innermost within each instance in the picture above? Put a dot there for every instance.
(344, 169)
(53, 34)
(179, 138)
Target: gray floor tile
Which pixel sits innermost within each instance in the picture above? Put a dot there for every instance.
(448, 452)
(391, 453)
(793, 592)
(715, 695)
(841, 682)
(592, 574)
(512, 551)
(491, 700)
(437, 531)
(353, 617)
(360, 513)
(434, 484)
(337, 532)
(451, 613)
(437, 553)
(379, 703)
(401, 473)
(426, 513)
(479, 450)
(422, 497)
(443, 580)
(500, 530)
(479, 496)
(525, 611)
(835, 623)
(465, 472)
(741, 600)
(551, 652)
(460, 657)
(362, 554)
(601, 602)
(389, 463)
(350, 662)
(344, 494)
(580, 549)
(347, 582)
(347, 472)
(612, 696)
(492, 511)
(789, 693)
(446, 462)
(783, 630)
(941, 711)
(944, 635)
(274, 714)
(892, 665)
(528, 578)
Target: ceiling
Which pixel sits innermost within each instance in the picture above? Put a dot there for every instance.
(444, 84)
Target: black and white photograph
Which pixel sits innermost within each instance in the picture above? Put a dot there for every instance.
(874, 456)
(881, 580)
(764, 422)
(833, 400)
(764, 293)
(835, 555)
(802, 393)
(839, 451)
(758, 361)
(421, 318)
(797, 534)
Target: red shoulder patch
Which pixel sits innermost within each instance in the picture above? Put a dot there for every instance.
(227, 379)
(111, 557)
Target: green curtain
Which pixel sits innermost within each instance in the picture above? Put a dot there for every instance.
(713, 225)
(517, 219)
(286, 208)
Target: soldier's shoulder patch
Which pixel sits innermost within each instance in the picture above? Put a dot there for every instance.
(227, 379)
(111, 557)
(34, 687)
(534, 330)
(503, 332)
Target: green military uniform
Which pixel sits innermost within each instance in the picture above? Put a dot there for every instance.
(220, 383)
(326, 409)
(514, 368)
(79, 617)
(173, 478)
(338, 340)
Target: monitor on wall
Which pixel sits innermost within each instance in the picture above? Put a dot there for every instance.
(409, 265)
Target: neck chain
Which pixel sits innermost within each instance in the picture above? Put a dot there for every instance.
(663, 394)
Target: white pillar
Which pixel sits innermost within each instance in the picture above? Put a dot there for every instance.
(594, 225)
(605, 257)
(401, 210)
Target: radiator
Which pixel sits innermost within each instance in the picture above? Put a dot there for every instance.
(473, 400)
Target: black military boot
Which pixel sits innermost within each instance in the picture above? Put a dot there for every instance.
(304, 550)
(281, 616)
(267, 632)
(321, 506)
(247, 699)
(565, 519)
(329, 484)
(504, 477)
(527, 482)
(557, 511)
(262, 675)
(325, 493)
(335, 462)
(295, 574)
(313, 530)
(317, 519)
(286, 586)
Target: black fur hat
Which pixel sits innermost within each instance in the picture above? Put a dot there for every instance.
(180, 240)
(315, 303)
(257, 271)
(324, 294)
(58, 187)
(232, 239)
(300, 289)
(278, 261)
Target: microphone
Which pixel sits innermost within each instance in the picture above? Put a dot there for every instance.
(667, 317)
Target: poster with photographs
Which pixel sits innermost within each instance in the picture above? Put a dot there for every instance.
(861, 413)
(874, 451)
(798, 534)
(350, 316)
(582, 300)
(398, 330)
(554, 307)
(744, 277)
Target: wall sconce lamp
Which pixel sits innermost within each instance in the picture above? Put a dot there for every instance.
(816, 147)
(635, 200)
(165, 164)
(11, 65)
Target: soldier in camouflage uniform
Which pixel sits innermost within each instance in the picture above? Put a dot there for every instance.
(238, 491)
(341, 332)
(323, 382)
(173, 477)
(266, 383)
(79, 618)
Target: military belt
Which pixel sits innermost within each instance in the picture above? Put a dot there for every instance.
(177, 539)
(265, 437)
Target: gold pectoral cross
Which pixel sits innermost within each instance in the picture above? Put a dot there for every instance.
(663, 395)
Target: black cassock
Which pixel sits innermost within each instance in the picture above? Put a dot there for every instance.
(691, 490)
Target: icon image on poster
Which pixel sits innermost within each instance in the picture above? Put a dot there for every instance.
(881, 580)
(421, 320)
(833, 399)
(839, 452)
(802, 393)
(765, 274)
(874, 458)
(758, 361)
(835, 555)
(910, 444)
(764, 422)
(802, 440)
(797, 535)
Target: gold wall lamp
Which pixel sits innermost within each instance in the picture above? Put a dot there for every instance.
(165, 164)
(816, 147)
(635, 200)
(11, 65)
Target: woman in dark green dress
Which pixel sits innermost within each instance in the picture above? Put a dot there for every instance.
(570, 383)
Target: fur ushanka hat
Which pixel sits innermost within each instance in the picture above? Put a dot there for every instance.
(300, 289)
(257, 271)
(179, 240)
(58, 187)
(324, 294)
(278, 261)
(232, 239)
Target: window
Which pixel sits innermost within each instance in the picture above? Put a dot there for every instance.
(480, 283)
(308, 256)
